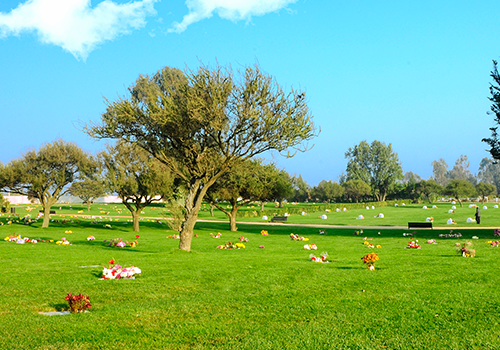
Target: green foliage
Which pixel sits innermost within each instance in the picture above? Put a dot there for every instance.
(88, 190)
(356, 190)
(426, 188)
(327, 191)
(45, 174)
(459, 189)
(485, 190)
(135, 176)
(201, 123)
(493, 141)
(375, 164)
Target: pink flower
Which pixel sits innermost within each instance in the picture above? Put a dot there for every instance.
(261, 246)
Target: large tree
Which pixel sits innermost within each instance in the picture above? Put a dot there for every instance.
(493, 141)
(136, 177)
(460, 170)
(376, 164)
(202, 122)
(459, 189)
(302, 191)
(47, 173)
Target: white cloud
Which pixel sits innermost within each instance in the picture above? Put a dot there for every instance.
(73, 24)
(233, 10)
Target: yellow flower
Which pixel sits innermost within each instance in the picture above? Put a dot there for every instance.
(366, 243)
(379, 246)
(240, 245)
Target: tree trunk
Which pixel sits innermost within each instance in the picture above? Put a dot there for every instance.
(212, 210)
(88, 205)
(46, 216)
(459, 201)
(186, 234)
(192, 207)
(262, 206)
(135, 220)
(232, 218)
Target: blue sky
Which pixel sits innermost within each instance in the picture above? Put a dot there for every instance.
(413, 74)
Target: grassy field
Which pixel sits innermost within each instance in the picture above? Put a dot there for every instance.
(253, 298)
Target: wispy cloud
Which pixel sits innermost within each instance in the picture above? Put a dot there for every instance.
(227, 9)
(73, 24)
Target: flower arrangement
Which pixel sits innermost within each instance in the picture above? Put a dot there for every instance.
(243, 239)
(323, 258)
(90, 238)
(494, 243)
(413, 244)
(497, 233)
(465, 249)
(357, 233)
(261, 247)
(68, 231)
(78, 303)
(431, 241)
(230, 245)
(107, 226)
(296, 237)
(218, 235)
(430, 219)
(310, 247)
(118, 242)
(370, 260)
(118, 272)
(264, 233)
(174, 236)
(322, 232)
(450, 235)
(63, 241)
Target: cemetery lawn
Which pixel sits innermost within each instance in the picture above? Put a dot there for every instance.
(252, 298)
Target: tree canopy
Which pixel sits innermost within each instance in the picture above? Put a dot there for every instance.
(459, 189)
(376, 164)
(136, 177)
(45, 174)
(201, 123)
(493, 141)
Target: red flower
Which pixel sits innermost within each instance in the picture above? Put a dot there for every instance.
(137, 236)
(111, 261)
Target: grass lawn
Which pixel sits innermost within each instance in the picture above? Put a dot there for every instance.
(252, 298)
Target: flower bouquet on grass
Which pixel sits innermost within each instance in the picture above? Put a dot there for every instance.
(494, 243)
(78, 303)
(369, 260)
(465, 249)
(243, 239)
(90, 238)
(296, 237)
(497, 233)
(230, 245)
(218, 235)
(63, 241)
(174, 236)
(413, 244)
(323, 258)
(310, 247)
(118, 242)
(264, 233)
(118, 272)
(450, 235)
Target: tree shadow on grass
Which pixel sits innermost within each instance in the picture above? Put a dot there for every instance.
(60, 306)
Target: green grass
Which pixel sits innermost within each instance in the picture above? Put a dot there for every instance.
(271, 298)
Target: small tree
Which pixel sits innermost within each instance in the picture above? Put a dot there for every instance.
(45, 174)
(426, 188)
(201, 123)
(136, 177)
(458, 189)
(485, 190)
(356, 189)
(88, 190)
(245, 183)
(327, 191)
